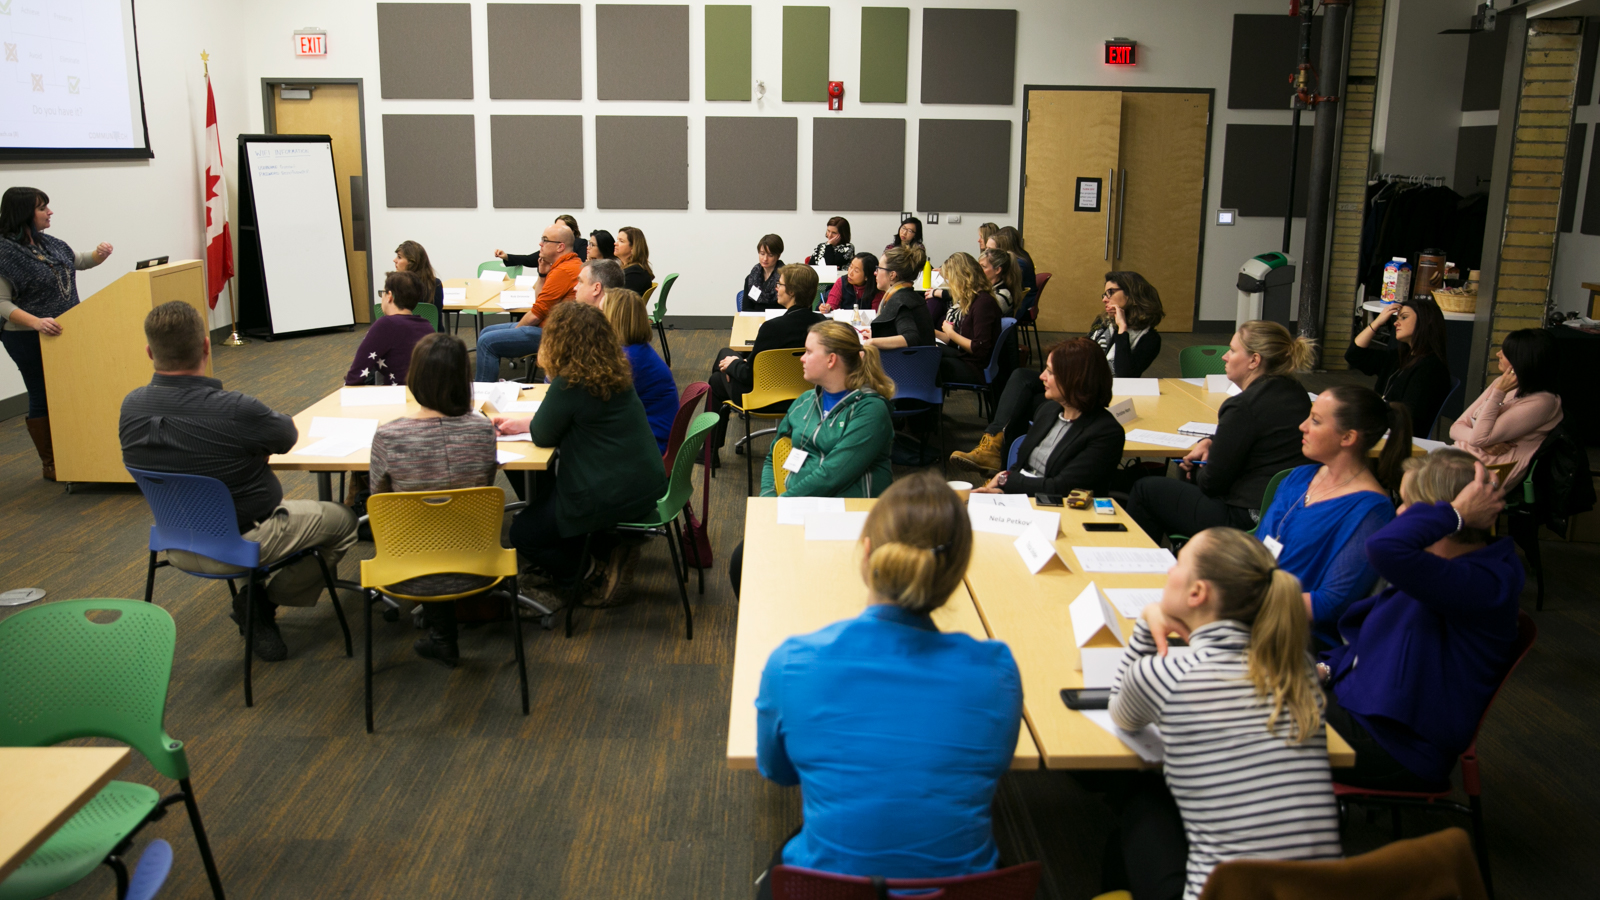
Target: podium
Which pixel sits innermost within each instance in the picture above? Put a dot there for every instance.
(99, 357)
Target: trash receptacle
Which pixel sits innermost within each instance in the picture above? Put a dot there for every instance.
(1266, 283)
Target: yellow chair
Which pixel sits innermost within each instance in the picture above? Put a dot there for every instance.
(780, 475)
(777, 381)
(650, 291)
(436, 532)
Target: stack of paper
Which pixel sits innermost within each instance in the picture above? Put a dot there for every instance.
(1147, 742)
(1125, 559)
(1199, 429)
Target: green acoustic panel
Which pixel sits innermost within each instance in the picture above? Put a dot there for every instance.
(885, 46)
(727, 53)
(805, 54)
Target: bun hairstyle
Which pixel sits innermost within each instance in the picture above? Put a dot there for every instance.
(1253, 591)
(921, 543)
(901, 263)
(1281, 353)
(866, 370)
(1359, 408)
(1438, 478)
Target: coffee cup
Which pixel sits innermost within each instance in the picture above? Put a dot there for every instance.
(963, 489)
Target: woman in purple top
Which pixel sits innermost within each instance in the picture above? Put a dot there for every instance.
(385, 352)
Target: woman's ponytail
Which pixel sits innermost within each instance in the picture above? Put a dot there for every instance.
(1358, 408)
(871, 374)
(866, 369)
(905, 574)
(920, 540)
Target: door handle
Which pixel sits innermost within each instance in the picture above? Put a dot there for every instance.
(1111, 181)
(358, 213)
(1122, 200)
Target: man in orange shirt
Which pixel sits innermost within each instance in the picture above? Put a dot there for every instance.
(559, 283)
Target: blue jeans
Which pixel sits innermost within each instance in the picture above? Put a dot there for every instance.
(23, 347)
(501, 341)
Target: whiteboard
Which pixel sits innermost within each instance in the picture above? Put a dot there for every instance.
(298, 225)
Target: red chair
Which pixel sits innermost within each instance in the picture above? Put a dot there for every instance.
(1527, 631)
(680, 423)
(1028, 319)
(696, 544)
(1016, 883)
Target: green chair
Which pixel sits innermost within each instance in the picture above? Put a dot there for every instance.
(426, 310)
(495, 265)
(64, 675)
(1202, 360)
(658, 316)
(1178, 540)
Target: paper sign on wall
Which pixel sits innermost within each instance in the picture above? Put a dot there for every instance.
(1124, 412)
(1217, 384)
(1036, 550)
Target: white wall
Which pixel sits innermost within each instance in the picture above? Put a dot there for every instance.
(1577, 253)
(1420, 78)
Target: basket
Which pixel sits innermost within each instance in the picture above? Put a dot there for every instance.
(1456, 301)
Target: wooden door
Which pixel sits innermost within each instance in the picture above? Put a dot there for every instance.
(1159, 216)
(1071, 135)
(335, 110)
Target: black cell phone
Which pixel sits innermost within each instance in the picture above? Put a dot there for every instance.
(1086, 698)
(1104, 526)
(1047, 499)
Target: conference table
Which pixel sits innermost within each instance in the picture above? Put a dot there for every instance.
(794, 586)
(483, 298)
(44, 787)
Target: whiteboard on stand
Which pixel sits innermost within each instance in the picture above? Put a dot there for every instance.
(301, 234)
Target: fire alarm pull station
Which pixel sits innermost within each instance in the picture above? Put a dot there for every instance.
(836, 95)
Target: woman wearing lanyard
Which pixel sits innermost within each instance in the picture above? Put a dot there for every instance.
(38, 282)
(903, 319)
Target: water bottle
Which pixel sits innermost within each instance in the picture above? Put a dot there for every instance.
(927, 274)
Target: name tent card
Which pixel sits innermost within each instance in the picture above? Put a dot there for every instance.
(1124, 412)
(527, 282)
(455, 295)
(1099, 640)
(1013, 522)
(1135, 387)
(1036, 550)
(492, 278)
(516, 299)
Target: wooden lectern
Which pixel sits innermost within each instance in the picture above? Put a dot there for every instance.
(99, 357)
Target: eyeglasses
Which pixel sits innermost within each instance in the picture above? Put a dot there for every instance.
(1108, 294)
(545, 240)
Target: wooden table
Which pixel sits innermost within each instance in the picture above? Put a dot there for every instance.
(1176, 406)
(534, 458)
(777, 602)
(1213, 401)
(478, 294)
(42, 787)
(743, 337)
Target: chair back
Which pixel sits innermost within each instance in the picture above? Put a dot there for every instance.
(420, 533)
(915, 373)
(1040, 279)
(1202, 360)
(496, 265)
(1433, 423)
(64, 675)
(154, 865)
(1527, 633)
(650, 291)
(680, 481)
(1426, 868)
(780, 453)
(680, 423)
(1016, 447)
(1272, 488)
(1014, 883)
(430, 312)
(1008, 329)
(777, 378)
(195, 513)
(660, 311)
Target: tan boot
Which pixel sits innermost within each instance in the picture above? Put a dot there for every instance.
(39, 430)
(987, 459)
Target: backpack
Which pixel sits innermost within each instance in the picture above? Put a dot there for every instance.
(1561, 479)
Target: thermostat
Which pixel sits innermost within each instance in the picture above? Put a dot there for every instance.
(1227, 216)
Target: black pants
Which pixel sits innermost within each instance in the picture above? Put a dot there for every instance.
(1014, 412)
(1374, 767)
(537, 536)
(1164, 506)
(764, 883)
(1147, 852)
(23, 347)
(736, 568)
(723, 388)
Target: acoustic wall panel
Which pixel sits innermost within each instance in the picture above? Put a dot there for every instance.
(805, 54)
(425, 51)
(1266, 51)
(969, 56)
(1255, 170)
(643, 51)
(964, 165)
(534, 51)
(885, 47)
(858, 165)
(642, 162)
(537, 161)
(728, 53)
(751, 162)
(430, 162)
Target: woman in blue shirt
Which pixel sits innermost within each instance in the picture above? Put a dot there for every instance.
(651, 377)
(1319, 520)
(897, 733)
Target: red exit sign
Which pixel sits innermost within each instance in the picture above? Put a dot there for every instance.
(1121, 53)
(310, 43)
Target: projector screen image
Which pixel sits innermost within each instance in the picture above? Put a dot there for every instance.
(69, 81)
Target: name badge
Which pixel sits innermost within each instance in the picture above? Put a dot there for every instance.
(797, 458)
(1273, 545)
(755, 294)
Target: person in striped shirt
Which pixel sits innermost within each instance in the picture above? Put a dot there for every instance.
(1240, 712)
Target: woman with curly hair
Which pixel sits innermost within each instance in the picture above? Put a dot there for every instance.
(972, 323)
(608, 468)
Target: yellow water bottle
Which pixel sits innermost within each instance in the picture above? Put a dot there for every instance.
(927, 274)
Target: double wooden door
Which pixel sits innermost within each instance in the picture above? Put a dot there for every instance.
(1115, 181)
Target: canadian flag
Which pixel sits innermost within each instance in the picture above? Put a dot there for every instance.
(219, 245)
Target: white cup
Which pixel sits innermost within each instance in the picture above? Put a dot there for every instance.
(963, 489)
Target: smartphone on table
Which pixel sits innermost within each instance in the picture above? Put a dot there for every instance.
(1086, 698)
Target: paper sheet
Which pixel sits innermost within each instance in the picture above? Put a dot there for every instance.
(1147, 742)
(1218, 384)
(1132, 601)
(1428, 445)
(522, 406)
(1203, 429)
(1013, 522)
(1161, 438)
(771, 314)
(1125, 559)
(755, 314)
(527, 282)
(1197, 382)
(834, 526)
(337, 447)
(501, 457)
(354, 429)
(455, 295)
(393, 395)
(1009, 501)
(793, 510)
(1135, 387)
(513, 438)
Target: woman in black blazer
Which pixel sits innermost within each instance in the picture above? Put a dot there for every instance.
(1075, 443)
(733, 374)
(1413, 374)
(634, 254)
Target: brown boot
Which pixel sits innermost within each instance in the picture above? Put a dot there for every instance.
(39, 430)
(987, 459)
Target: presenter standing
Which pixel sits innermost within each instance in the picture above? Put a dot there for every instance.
(38, 282)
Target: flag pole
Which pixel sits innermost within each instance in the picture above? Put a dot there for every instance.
(233, 340)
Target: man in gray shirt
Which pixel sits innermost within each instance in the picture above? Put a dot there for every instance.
(185, 423)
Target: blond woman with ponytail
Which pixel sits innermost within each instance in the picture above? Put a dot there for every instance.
(1241, 713)
(971, 326)
(897, 733)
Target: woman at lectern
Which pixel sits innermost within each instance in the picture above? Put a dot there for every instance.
(38, 282)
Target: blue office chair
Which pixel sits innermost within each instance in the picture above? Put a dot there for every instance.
(1016, 447)
(915, 373)
(1008, 331)
(195, 513)
(738, 302)
(154, 864)
(1433, 423)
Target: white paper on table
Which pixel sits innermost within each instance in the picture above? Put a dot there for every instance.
(1132, 601)
(354, 429)
(1146, 742)
(1141, 560)
(333, 446)
(1197, 382)
(522, 406)
(771, 314)
(826, 274)
(834, 526)
(938, 281)
(457, 294)
(516, 299)
(1234, 390)
(526, 282)
(501, 457)
(1099, 665)
(492, 277)
(392, 395)
(513, 438)
(1124, 412)
(1162, 438)
(1203, 429)
(1218, 384)
(1135, 387)
(1009, 501)
(793, 510)
(1005, 520)
(1428, 445)
(754, 314)
(1036, 549)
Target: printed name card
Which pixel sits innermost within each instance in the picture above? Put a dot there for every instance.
(516, 299)
(1135, 387)
(527, 282)
(1099, 639)
(1217, 384)
(1036, 550)
(1007, 520)
(834, 526)
(826, 274)
(773, 313)
(793, 510)
(501, 457)
(498, 396)
(455, 295)
(1009, 501)
(1124, 412)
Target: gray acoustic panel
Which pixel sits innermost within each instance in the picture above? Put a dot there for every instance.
(534, 51)
(969, 56)
(858, 165)
(964, 165)
(537, 161)
(425, 51)
(751, 162)
(1266, 51)
(1255, 170)
(642, 51)
(642, 162)
(430, 162)
(1586, 62)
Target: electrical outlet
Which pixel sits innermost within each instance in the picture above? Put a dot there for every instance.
(953, 219)
(933, 218)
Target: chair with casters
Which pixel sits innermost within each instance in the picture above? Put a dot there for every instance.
(780, 454)
(195, 513)
(1178, 540)
(1202, 360)
(777, 382)
(991, 374)
(915, 373)
(1016, 447)
(1425, 868)
(155, 863)
(1014, 883)
(95, 668)
(658, 316)
(1027, 313)
(1471, 778)
(417, 533)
